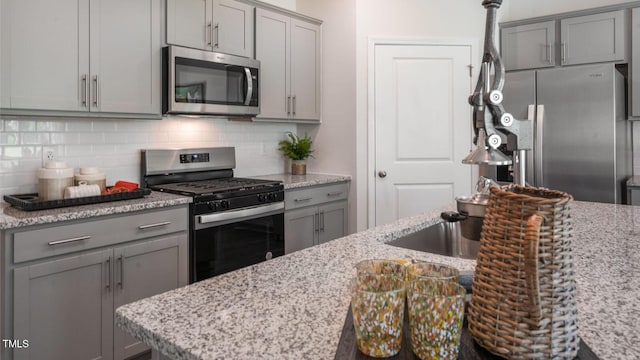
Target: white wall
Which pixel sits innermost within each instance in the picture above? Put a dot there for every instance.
(114, 145)
(287, 4)
(334, 139)
(405, 19)
(532, 8)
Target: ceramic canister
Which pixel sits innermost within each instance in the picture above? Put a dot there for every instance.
(53, 178)
(91, 176)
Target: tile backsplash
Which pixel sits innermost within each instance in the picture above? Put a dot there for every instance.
(114, 145)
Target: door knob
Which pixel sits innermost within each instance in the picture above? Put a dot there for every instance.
(382, 173)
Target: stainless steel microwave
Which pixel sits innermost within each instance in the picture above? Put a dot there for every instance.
(197, 82)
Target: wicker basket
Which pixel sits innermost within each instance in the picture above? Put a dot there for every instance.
(524, 293)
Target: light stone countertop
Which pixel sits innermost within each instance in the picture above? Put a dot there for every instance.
(11, 217)
(300, 181)
(294, 306)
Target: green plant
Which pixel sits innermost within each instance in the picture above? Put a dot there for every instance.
(296, 148)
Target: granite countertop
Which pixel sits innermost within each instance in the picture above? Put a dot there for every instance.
(301, 181)
(11, 217)
(294, 306)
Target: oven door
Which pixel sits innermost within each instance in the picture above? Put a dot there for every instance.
(230, 240)
(207, 83)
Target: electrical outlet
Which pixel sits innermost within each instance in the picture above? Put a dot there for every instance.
(50, 155)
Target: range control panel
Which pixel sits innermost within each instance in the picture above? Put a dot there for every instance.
(194, 158)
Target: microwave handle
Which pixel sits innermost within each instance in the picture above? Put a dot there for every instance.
(247, 100)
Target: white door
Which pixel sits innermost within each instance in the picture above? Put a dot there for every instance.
(422, 125)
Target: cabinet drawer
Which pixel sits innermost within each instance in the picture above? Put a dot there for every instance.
(78, 236)
(315, 195)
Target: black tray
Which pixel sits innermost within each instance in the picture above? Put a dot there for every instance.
(469, 350)
(30, 202)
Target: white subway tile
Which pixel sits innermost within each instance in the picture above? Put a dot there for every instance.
(78, 125)
(50, 125)
(12, 138)
(90, 138)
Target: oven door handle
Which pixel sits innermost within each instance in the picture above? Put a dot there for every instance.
(240, 215)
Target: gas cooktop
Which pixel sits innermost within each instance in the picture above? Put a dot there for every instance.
(218, 186)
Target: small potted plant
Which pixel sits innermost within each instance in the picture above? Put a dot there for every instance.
(298, 150)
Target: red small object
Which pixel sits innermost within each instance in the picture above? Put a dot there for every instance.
(125, 184)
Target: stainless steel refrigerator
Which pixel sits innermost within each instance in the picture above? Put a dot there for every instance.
(582, 141)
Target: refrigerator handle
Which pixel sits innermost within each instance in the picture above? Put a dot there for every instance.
(539, 142)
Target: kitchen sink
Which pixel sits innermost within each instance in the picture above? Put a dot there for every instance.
(444, 238)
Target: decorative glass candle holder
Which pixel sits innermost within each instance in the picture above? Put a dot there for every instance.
(377, 304)
(436, 312)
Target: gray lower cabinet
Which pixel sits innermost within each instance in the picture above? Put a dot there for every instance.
(315, 215)
(62, 298)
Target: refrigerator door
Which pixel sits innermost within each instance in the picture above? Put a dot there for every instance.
(519, 95)
(578, 135)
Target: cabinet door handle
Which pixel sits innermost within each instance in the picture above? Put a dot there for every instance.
(334, 194)
(144, 227)
(120, 277)
(108, 264)
(79, 238)
(95, 90)
(302, 199)
(217, 32)
(294, 105)
(322, 221)
(84, 90)
(209, 34)
(564, 50)
(316, 221)
(549, 54)
(289, 105)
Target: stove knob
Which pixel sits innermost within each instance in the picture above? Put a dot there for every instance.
(271, 196)
(224, 204)
(261, 198)
(213, 205)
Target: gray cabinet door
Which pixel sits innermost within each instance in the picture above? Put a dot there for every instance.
(300, 230)
(45, 53)
(528, 46)
(233, 28)
(333, 221)
(142, 270)
(273, 44)
(593, 38)
(65, 308)
(189, 23)
(635, 63)
(305, 70)
(125, 56)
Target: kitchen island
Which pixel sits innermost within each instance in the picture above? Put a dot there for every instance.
(294, 307)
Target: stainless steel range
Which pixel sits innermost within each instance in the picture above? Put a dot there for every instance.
(234, 222)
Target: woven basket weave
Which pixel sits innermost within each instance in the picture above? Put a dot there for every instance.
(524, 293)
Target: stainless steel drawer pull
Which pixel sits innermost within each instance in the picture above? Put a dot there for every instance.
(334, 194)
(144, 227)
(303, 199)
(58, 242)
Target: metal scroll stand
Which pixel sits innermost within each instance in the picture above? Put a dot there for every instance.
(491, 123)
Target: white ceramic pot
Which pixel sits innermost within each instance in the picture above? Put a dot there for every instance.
(53, 178)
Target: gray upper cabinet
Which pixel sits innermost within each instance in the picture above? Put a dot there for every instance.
(290, 64)
(635, 62)
(216, 25)
(593, 38)
(189, 23)
(528, 46)
(81, 56)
